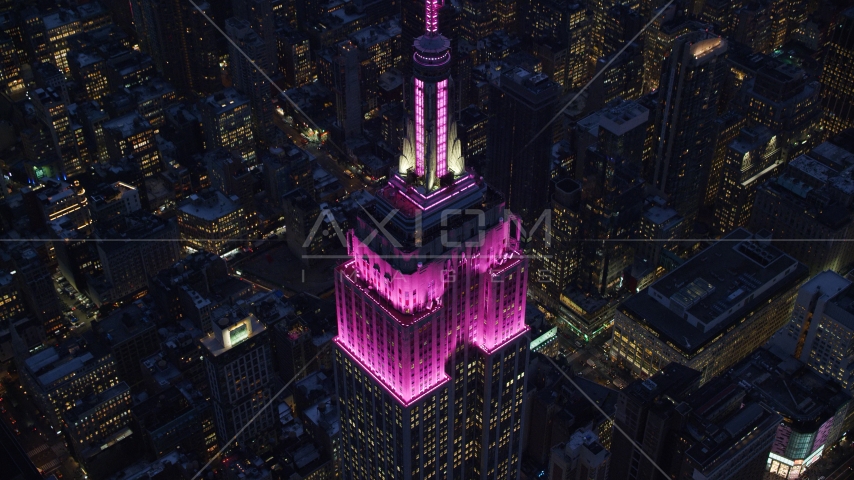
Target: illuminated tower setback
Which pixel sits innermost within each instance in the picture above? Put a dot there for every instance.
(432, 344)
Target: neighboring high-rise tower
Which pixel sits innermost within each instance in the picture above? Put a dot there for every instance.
(250, 81)
(519, 160)
(432, 345)
(239, 364)
(837, 78)
(690, 87)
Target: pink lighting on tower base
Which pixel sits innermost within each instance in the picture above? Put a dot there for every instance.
(405, 328)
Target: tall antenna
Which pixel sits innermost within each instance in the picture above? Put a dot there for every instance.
(431, 18)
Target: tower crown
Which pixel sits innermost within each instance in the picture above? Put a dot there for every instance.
(432, 153)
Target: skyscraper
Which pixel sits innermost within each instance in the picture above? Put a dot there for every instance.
(781, 97)
(555, 259)
(67, 138)
(432, 345)
(521, 105)
(248, 80)
(239, 364)
(690, 86)
(175, 34)
(837, 78)
(227, 123)
(658, 42)
(347, 89)
(259, 15)
(751, 159)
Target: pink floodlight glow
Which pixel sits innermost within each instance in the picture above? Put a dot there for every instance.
(419, 128)
(431, 17)
(405, 401)
(494, 348)
(403, 328)
(442, 128)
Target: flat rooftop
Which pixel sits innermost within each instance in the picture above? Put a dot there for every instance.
(791, 388)
(218, 344)
(225, 100)
(210, 206)
(128, 125)
(673, 380)
(661, 215)
(94, 401)
(124, 323)
(623, 117)
(707, 294)
(55, 362)
(831, 153)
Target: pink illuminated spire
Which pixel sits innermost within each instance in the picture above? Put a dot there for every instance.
(431, 18)
(429, 151)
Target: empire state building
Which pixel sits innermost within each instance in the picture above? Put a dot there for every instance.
(432, 344)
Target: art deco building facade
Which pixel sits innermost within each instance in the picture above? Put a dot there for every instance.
(432, 345)
(751, 159)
